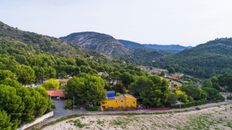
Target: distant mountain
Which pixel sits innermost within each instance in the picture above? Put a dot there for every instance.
(132, 45)
(148, 57)
(38, 43)
(101, 43)
(205, 60)
(130, 51)
(108, 45)
(169, 48)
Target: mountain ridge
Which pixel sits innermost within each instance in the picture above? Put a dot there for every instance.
(158, 47)
(99, 42)
(41, 43)
(211, 58)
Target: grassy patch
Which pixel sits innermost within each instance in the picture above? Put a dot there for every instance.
(100, 122)
(78, 123)
(203, 122)
(123, 121)
(229, 124)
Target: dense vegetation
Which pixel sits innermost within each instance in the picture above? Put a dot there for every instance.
(156, 92)
(152, 89)
(88, 90)
(27, 58)
(19, 104)
(203, 61)
(124, 50)
(222, 82)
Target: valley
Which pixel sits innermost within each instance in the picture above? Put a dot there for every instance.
(115, 65)
(90, 71)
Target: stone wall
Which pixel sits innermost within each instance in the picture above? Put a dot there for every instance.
(38, 120)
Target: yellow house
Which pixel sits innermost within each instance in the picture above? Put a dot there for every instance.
(124, 101)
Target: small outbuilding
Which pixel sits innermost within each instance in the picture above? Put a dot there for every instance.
(56, 94)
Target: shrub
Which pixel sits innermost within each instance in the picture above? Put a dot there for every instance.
(51, 84)
(92, 108)
(79, 124)
(229, 97)
(68, 104)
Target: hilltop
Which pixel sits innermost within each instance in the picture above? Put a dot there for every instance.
(98, 42)
(39, 43)
(120, 49)
(204, 60)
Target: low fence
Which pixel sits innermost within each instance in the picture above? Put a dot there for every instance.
(38, 120)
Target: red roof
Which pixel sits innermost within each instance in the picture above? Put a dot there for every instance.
(56, 93)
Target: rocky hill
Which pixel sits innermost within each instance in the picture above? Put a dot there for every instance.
(98, 42)
(121, 49)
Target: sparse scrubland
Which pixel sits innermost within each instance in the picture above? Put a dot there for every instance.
(215, 118)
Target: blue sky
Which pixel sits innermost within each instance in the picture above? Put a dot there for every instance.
(185, 22)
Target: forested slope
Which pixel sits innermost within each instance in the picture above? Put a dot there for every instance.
(203, 61)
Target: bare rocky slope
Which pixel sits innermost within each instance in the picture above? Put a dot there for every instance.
(98, 42)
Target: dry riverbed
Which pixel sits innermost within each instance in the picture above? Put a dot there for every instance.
(215, 118)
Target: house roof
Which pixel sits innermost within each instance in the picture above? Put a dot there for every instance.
(56, 93)
(128, 95)
(121, 97)
(110, 94)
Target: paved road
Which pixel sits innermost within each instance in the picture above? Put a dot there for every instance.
(61, 112)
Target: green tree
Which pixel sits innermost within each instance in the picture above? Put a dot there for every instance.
(6, 74)
(39, 73)
(12, 83)
(81, 61)
(11, 103)
(182, 96)
(21, 59)
(5, 123)
(42, 103)
(51, 84)
(26, 74)
(153, 90)
(207, 84)
(172, 98)
(22, 104)
(29, 103)
(87, 90)
(126, 78)
(139, 85)
(195, 92)
(213, 94)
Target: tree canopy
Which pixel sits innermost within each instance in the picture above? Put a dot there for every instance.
(153, 90)
(20, 105)
(86, 90)
(51, 84)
